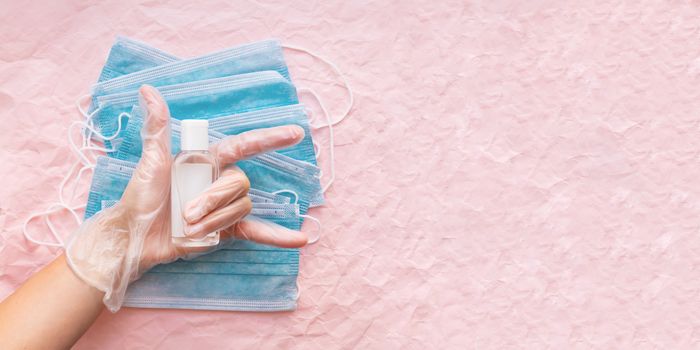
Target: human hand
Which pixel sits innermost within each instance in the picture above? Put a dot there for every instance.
(120, 243)
(222, 207)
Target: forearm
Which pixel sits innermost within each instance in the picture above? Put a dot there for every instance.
(50, 311)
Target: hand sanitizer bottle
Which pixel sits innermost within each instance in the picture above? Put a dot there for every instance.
(194, 170)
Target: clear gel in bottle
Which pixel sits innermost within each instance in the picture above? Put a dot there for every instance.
(194, 170)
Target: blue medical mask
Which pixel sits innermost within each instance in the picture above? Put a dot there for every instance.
(111, 176)
(129, 146)
(258, 198)
(303, 151)
(263, 287)
(273, 172)
(269, 172)
(282, 291)
(284, 214)
(204, 99)
(267, 118)
(253, 57)
(129, 56)
(243, 276)
(140, 54)
(225, 284)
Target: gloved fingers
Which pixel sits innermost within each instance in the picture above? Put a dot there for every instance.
(251, 143)
(265, 232)
(220, 219)
(230, 186)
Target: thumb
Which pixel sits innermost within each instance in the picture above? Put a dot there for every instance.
(155, 132)
(149, 187)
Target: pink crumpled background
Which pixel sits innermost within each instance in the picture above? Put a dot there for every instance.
(513, 175)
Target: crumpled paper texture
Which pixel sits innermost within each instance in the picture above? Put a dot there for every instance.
(513, 175)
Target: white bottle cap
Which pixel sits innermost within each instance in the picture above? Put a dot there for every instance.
(194, 135)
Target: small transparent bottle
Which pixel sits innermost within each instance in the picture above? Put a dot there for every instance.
(194, 170)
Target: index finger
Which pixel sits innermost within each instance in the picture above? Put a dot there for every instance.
(251, 143)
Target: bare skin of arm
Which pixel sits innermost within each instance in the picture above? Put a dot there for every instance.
(51, 310)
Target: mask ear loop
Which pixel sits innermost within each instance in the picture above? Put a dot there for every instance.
(296, 297)
(86, 145)
(79, 104)
(71, 210)
(55, 207)
(351, 102)
(88, 126)
(296, 196)
(75, 186)
(351, 97)
(331, 142)
(31, 217)
(318, 229)
(317, 149)
(316, 221)
(86, 115)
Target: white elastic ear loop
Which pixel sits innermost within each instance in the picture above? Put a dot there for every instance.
(75, 184)
(296, 196)
(89, 124)
(318, 228)
(317, 149)
(26, 234)
(79, 104)
(296, 297)
(63, 204)
(121, 115)
(87, 143)
(316, 221)
(351, 97)
(331, 141)
(87, 117)
(71, 210)
(55, 207)
(312, 117)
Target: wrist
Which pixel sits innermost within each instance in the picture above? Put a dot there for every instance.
(61, 264)
(99, 254)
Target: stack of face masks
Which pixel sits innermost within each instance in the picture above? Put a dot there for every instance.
(239, 89)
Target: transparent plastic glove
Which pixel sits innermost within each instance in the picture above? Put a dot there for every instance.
(117, 245)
